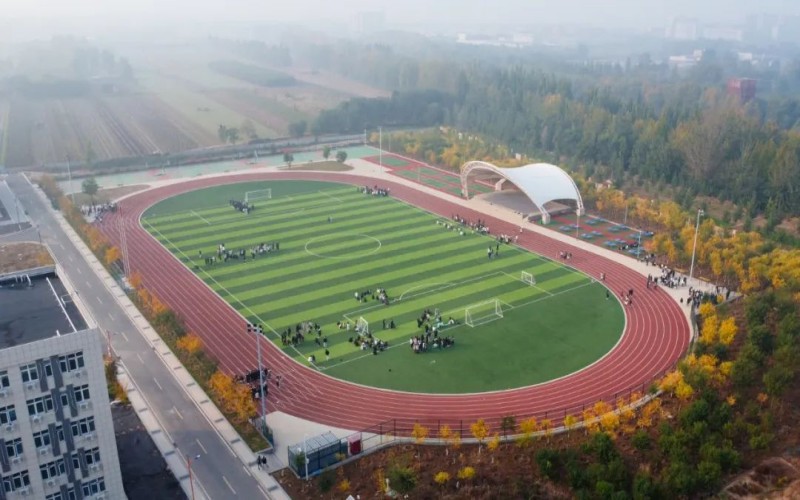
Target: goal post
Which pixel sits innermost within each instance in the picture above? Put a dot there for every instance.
(362, 326)
(527, 278)
(483, 312)
(259, 194)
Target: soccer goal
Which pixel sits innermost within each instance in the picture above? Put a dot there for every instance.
(484, 312)
(527, 278)
(362, 326)
(260, 194)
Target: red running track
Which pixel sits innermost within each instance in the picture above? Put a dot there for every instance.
(656, 332)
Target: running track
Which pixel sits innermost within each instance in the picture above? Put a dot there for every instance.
(656, 334)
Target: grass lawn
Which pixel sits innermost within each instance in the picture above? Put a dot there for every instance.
(554, 328)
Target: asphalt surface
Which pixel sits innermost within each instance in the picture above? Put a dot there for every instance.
(215, 468)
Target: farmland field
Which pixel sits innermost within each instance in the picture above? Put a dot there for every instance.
(335, 240)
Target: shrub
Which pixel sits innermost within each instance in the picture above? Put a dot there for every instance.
(441, 478)
(326, 481)
(641, 440)
(402, 479)
(466, 473)
(344, 486)
(547, 460)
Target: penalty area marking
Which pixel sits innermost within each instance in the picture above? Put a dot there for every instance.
(348, 256)
(200, 217)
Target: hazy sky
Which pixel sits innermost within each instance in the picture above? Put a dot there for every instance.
(611, 13)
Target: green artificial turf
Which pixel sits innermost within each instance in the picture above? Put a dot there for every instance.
(549, 330)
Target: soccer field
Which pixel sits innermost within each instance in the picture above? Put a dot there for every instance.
(540, 332)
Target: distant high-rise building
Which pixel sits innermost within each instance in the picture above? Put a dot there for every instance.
(56, 431)
(684, 29)
(743, 89)
(370, 22)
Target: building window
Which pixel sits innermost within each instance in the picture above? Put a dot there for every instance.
(30, 373)
(81, 393)
(8, 415)
(39, 405)
(53, 469)
(41, 439)
(54, 496)
(91, 456)
(16, 481)
(94, 487)
(4, 381)
(71, 362)
(14, 448)
(82, 426)
(48, 368)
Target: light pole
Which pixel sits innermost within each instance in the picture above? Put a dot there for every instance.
(189, 465)
(700, 213)
(380, 146)
(305, 452)
(259, 332)
(69, 175)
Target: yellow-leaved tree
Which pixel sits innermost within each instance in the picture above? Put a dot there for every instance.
(728, 331)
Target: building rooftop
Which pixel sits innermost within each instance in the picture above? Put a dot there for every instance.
(31, 313)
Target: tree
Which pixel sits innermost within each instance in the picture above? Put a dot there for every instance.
(190, 343)
(479, 430)
(298, 128)
(112, 255)
(233, 135)
(248, 129)
(728, 330)
(90, 188)
(441, 478)
(135, 280)
(222, 134)
(419, 432)
(288, 158)
(341, 156)
(326, 152)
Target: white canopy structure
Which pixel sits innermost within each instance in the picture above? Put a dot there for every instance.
(542, 183)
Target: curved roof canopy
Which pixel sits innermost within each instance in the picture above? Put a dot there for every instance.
(541, 182)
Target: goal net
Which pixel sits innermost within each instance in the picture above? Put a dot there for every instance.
(261, 194)
(527, 278)
(362, 326)
(484, 312)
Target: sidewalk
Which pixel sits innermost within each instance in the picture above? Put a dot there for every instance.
(164, 442)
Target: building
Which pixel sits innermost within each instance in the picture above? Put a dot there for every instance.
(743, 89)
(56, 431)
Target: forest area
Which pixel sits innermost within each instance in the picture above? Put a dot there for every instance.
(636, 125)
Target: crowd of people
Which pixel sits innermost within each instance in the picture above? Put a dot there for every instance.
(374, 191)
(379, 294)
(298, 336)
(478, 226)
(97, 211)
(242, 206)
(668, 278)
(224, 254)
(432, 323)
(565, 255)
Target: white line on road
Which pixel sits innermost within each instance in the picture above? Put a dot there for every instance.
(140, 357)
(159, 385)
(110, 316)
(177, 413)
(78, 269)
(201, 446)
(99, 300)
(125, 337)
(246, 470)
(229, 484)
(263, 492)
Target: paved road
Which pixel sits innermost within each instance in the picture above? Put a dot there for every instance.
(217, 470)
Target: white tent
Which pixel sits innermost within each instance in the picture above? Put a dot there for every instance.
(542, 183)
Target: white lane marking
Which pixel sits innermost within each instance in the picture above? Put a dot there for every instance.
(229, 484)
(99, 300)
(125, 337)
(178, 413)
(201, 446)
(159, 385)
(140, 357)
(247, 471)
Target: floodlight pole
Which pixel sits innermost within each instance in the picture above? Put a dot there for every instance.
(305, 452)
(694, 246)
(380, 146)
(258, 331)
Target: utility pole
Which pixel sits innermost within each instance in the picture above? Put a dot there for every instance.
(380, 146)
(69, 175)
(191, 480)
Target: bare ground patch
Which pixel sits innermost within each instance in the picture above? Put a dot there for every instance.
(20, 256)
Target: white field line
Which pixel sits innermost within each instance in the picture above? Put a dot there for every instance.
(524, 304)
(330, 196)
(532, 286)
(260, 319)
(200, 217)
